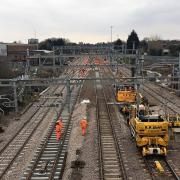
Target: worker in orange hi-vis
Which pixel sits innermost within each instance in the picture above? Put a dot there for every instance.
(83, 124)
(59, 126)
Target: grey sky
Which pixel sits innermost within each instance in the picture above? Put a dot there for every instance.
(88, 20)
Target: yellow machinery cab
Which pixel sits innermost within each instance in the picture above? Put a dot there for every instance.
(174, 124)
(150, 133)
(174, 120)
(125, 94)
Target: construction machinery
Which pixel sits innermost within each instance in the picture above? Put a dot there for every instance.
(150, 132)
(125, 94)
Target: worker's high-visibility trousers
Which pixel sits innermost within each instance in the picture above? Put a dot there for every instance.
(83, 131)
(58, 135)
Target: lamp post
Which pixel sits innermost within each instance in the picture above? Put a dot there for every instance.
(111, 47)
(111, 33)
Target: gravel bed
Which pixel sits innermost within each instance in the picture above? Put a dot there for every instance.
(12, 123)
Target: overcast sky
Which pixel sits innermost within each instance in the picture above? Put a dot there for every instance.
(88, 20)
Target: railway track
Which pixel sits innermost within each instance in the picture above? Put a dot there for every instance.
(49, 160)
(13, 149)
(170, 97)
(37, 107)
(164, 98)
(16, 144)
(111, 163)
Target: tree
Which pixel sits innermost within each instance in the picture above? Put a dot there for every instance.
(48, 44)
(154, 37)
(155, 47)
(174, 50)
(133, 40)
(144, 45)
(118, 44)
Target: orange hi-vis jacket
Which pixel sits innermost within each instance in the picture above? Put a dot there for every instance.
(83, 123)
(58, 130)
(59, 126)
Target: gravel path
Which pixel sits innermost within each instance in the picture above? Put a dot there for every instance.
(76, 139)
(89, 149)
(87, 144)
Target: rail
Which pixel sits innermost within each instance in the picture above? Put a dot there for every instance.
(108, 143)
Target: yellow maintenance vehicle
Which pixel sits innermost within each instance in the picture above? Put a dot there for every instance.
(174, 120)
(125, 94)
(174, 125)
(150, 132)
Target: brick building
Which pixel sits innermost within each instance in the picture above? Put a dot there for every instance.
(18, 52)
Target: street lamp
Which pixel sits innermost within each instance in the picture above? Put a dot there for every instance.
(111, 33)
